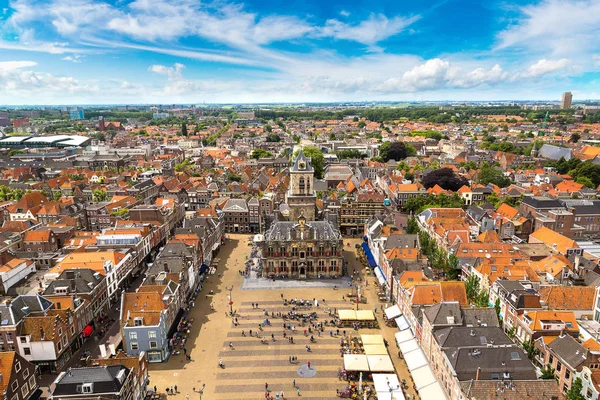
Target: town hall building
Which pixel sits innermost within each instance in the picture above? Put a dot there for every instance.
(302, 247)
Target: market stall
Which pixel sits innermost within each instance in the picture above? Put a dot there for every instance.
(403, 336)
(415, 359)
(392, 312)
(423, 377)
(408, 346)
(387, 387)
(433, 391)
(374, 349)
(380, 363)
(356, 362)
(371, 339)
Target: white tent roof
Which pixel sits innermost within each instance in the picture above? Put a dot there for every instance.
(371, 339)
(402, 323)
(383, 383)
(408, 346)
(433, 391)
(365, 315)
(403, 336)
(347, 315)
(423, 377)
(356, 362)
(380, 363)
(415, 359)
(375, 349)
(392, 312)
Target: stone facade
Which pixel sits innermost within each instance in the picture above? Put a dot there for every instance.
(301, 196)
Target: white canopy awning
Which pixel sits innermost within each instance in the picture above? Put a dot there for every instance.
(379, 276)
(403, 336)
(380, 363)
(402, 323)
(408, 346)
(387, 387)
(371, 339)
(375, 349)
(347, 315)
(365, 315)
(356, 362)
(433, 391)
(415, 359)
(423, 377)
(393, 312)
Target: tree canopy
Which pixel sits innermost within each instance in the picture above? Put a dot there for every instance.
(393, 151)
(445, 178)
(489, 174)
(260, 153)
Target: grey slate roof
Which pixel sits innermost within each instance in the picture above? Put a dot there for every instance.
(491, 360)
(76, 281)
(458, 336)
(583, 207)
(569, 350)
(438, 314)
(480, 317)
(236, 205)
(104, 380)
(555, 152)
(541, 202)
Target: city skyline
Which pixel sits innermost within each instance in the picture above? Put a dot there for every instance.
(97, 52)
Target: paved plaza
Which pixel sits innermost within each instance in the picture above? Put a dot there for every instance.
(251, 364)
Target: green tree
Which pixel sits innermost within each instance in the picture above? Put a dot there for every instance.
(184, 131)
(575, 138)
(472, 287)
(585, 181)
(393, 151)
(99, 195)
(260, 153)
(273, 137)
(234, 177)
(530, 349)
(412, 226)
(489, 174)
(268, 128)
(482, 299)
(56, 196)
(548, 372)
(575, 392)
(497, 309)
(361, 124)
(317, 160)
(15, 152)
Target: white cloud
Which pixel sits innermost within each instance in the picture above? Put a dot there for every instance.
(173, 72)
(75, 58)
(12, 65)
(344, 13)
(370, 31)
(544, 67)
(436, 74)
(564, 27)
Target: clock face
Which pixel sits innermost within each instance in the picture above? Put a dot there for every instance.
(301, 165)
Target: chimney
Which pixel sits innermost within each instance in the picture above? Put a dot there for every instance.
(477, 375)
(42, 333)
(166, 267)
(72, 281)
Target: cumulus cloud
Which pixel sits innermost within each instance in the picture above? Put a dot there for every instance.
(74, 59)
(376, 28)
(438, 74)
(12, 65)
(173, 72)
(544, 67)
(560, 26)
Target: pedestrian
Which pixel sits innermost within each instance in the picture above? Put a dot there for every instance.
(231, 345)
(175, 389)
(282, 394)
(319, 333)
(252, 305)
(309, 365)
(188, 357)
(294, 383)
(299, 392)
(375, 310)
(267, 387)
(184, 350)
(168, 390)
(290, 359)
(187, 396)
(236, 320)
(273, 336)
(243, 333)
(256, 305)
(282, 295)
(154, 388)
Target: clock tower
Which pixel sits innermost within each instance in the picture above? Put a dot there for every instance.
(301, 196)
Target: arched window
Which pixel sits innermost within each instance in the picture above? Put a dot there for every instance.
(301, 185)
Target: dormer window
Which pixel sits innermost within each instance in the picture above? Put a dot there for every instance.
(139, 321)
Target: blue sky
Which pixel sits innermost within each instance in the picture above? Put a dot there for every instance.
(172, 51)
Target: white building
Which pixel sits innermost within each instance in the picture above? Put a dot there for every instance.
(14, 271)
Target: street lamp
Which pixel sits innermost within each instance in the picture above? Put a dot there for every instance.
(229, 289)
